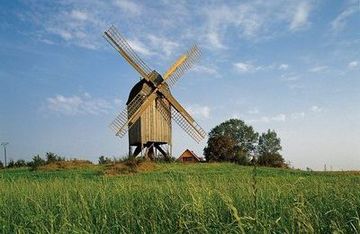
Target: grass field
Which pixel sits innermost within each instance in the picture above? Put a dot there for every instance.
(172, 198)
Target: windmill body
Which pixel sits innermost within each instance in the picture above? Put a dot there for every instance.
(153, 129)
(150, 108)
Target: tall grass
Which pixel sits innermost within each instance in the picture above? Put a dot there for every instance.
(197, 198)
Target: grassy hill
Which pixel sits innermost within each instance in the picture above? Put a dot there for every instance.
(169, 198)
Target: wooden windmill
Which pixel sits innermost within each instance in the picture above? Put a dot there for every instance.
(150, 106)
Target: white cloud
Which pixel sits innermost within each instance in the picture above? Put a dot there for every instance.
(246, 18)
(252, 20)
(297, 115)
(214, 39)
(340, 21)
(205, 70)
(139, 47)
(279, 118)
(74, 105)
(79, 15)
(80, 23)
(74, 26)
(319, 69)
(290, 77)
(163, 44)
(66, 35)
(300, 17)
(199, 111)
(316, 109)
(353, 64)
(129, 7)
(283, 66)
(243, 67)
(266, 119)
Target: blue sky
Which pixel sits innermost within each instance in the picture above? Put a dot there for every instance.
(291, 66)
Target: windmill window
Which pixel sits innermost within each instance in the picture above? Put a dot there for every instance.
(188, 159)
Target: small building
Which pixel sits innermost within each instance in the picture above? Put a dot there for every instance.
(189, 156)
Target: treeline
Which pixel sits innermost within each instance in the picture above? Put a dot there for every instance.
(235, 141)
(35, 163)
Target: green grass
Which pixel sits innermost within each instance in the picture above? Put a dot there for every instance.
(198, 198)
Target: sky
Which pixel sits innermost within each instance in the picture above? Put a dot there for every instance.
(290, 66)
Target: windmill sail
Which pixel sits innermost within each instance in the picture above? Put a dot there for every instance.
(120, 124)
(192, 129)
(113, 36)
(183, 64)
(126, 118)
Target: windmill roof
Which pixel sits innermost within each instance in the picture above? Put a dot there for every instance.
(138, 87)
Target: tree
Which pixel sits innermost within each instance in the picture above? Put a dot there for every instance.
(1, 165)
(231, 140)
(268, 150)
(220, 148)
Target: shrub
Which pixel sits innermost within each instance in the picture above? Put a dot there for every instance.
(11, 164)
(271, 160)
(105, 160)
(20, 163)
(36, 162)
(51, 158)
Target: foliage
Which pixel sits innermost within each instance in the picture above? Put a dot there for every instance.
(1, 165)
(11, 164)
(177, 198)
(271, 160)
(269, 143)
(36, 162)
(268, 150)
(20, 163)
(105, 160)
(51, 158)
(231, 140)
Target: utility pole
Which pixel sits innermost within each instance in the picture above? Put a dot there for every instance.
(4, 144)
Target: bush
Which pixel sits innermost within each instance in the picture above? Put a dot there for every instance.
(1, 165)
(51, 158)
(271, 160)
(20, 163)
(36, 162)
(105, 160)
(11, 164)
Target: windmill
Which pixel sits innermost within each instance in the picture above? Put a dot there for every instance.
(150, 106)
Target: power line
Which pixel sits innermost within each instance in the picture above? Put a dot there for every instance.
(4, 144)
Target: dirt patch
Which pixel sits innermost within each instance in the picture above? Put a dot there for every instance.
(146, 166)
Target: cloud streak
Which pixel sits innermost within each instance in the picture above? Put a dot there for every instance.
(78, 105)
(301, 16)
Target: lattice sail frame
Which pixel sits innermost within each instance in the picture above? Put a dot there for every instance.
(114, 37)
(192, 56)
(121, 123)
(194, 130)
